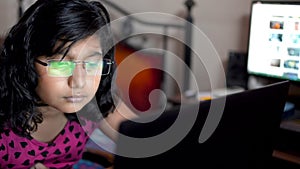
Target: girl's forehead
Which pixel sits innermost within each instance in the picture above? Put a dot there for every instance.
(88, 47)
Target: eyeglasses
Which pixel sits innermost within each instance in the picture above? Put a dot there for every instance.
(65, 68)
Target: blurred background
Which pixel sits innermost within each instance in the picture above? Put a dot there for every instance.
(221, 25)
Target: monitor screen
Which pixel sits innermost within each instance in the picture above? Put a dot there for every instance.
(274, 40)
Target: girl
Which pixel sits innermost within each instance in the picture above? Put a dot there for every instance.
(54, 61)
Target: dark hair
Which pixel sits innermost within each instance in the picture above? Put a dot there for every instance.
(37, 32)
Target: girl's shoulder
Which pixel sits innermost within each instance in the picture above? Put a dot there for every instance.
(7, 133)
(8, 138)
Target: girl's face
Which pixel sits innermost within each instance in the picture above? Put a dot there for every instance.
(69, 94)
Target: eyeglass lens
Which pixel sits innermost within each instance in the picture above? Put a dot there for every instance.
(65, 68)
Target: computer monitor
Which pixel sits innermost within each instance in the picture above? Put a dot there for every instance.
(274, 40)
(242, 139)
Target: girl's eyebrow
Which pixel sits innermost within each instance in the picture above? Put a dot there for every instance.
(96, 53)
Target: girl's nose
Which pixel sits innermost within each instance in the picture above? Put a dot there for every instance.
(78, 79)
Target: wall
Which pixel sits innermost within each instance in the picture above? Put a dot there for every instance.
(8, 14)
(225, 23)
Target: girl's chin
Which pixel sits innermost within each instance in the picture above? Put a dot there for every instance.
(73, 109)
(70, 112)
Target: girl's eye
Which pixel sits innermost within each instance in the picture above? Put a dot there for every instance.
(61, 64)
(61, 68)
(92, 65)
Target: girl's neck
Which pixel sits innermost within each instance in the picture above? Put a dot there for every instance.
(50, 112)
(53, 122)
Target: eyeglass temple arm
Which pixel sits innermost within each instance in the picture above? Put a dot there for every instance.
(40, 62)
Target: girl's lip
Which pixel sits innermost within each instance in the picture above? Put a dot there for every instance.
(75, 98)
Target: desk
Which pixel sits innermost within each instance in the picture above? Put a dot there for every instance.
(193, 96)
(288, 142)
(287, 156)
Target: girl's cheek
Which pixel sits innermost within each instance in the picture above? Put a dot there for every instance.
(96, 82)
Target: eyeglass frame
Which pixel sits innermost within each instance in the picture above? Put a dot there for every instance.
(110, 62)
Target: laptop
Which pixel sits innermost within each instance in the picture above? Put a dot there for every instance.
(236, 131)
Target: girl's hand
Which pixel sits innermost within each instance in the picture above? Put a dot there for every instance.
(38, 166)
